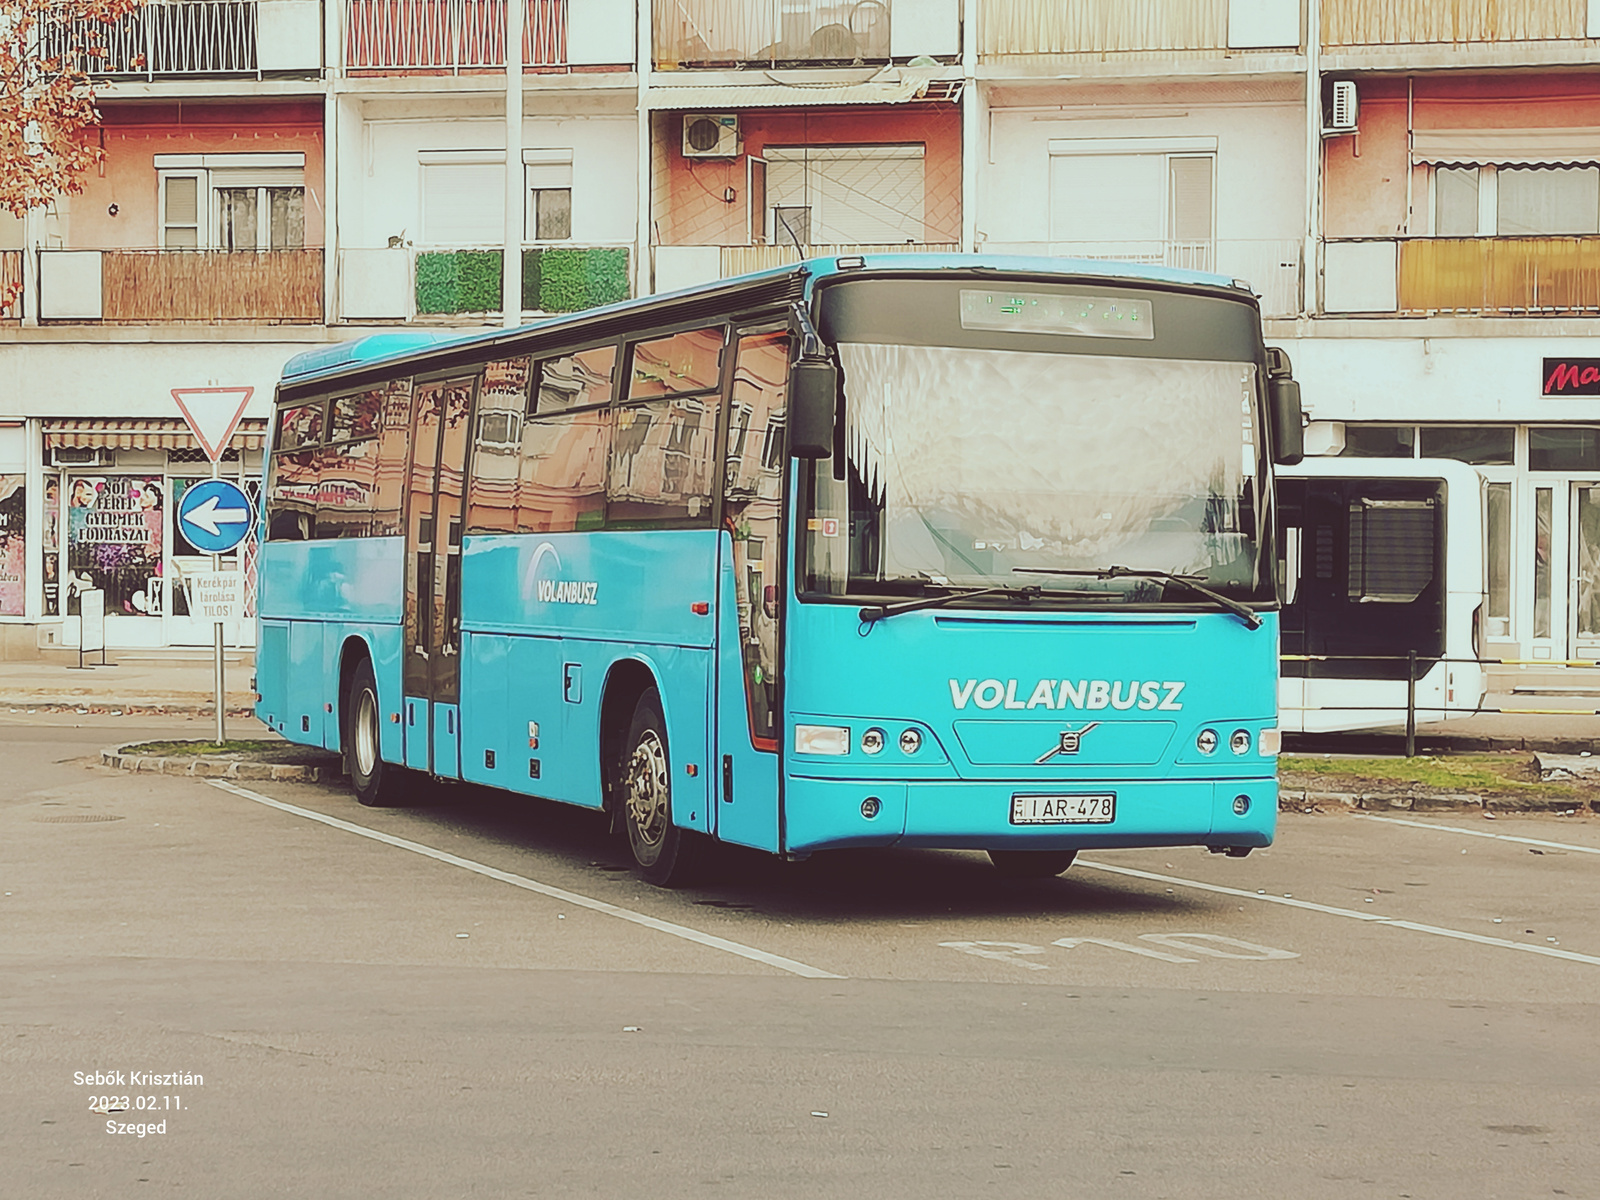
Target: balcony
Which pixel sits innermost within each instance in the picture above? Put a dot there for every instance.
(1270, 266)
(165, 39)
(688, 266)
(1501, 276)
(155, 287)
(11, 284)
(1021, 30)
(443, 285)
(737, 33)
(1374, 23)
(447, 37)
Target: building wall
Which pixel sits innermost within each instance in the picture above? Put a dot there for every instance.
(694, 212)
(135, 134)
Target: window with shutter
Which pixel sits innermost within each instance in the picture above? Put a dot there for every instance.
(463, 199)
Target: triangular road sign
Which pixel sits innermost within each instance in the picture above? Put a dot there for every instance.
(213, 413)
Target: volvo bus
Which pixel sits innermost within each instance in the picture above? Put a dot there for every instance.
(1380, 559)
(906, 550)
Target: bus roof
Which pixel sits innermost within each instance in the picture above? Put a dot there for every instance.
(361, 353)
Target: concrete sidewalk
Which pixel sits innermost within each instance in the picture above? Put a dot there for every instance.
(177, 680)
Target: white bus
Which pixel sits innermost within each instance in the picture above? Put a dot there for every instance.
(1379, 557)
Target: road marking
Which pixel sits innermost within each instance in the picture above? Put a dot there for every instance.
(1479, 833)
(1252, 951)
(544, 889)
(1008, 952)
(1069, 943)
(1370, 918)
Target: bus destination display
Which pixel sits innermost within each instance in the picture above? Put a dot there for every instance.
(1052, 312)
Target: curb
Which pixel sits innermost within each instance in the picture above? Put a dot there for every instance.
(100, 705)
(1294, 800)
(199, 767)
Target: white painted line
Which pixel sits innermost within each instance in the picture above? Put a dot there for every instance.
(1369, 918)
(1479, 833)
(533, 885)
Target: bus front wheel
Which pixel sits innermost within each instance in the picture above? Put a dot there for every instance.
(1031, 864)
(376, 783)
(664, 854)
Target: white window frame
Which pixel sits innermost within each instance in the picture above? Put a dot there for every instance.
(1488, 198)
(202, 240)
(216, 171)
(449, 158)
(544, 171)
(1166, 149)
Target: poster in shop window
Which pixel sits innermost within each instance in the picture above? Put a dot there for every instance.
(13, 595)
(114, 526)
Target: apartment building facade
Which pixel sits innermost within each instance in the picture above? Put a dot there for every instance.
(1410, 186)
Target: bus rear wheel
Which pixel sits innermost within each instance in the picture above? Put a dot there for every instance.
(377, 784)
(663, 853)
(1031, 864)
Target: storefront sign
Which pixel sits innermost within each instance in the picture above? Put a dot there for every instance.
(13, 596)
(1572, 377)
(114, 527)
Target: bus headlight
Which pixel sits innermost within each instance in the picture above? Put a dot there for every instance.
(910, 742)
(821, 739)
(1239, 743)
(872, 741)
(1206, 743)
(1270, 742)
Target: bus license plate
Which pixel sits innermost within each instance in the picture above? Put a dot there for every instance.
(1098, 808)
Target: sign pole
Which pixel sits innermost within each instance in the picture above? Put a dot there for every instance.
(216, 635)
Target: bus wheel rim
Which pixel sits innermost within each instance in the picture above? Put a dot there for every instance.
(366, 735)
(647, 792)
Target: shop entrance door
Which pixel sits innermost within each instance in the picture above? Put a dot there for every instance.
(1584, 592)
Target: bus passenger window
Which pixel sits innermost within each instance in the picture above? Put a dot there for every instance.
(299, 426)
(661, 470)
(346, 479)
(292, 496)
(562, 482)
(497, 447)
(575, 380)
(685, 362)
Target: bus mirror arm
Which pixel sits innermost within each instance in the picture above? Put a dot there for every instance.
(813, 391)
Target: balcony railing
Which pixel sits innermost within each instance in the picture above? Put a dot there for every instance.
(165, 38)
(739, 260)
(1409, 22)
(202, 286)
(1506, 276)
(449, 36)
(10, 284)
(1270, 266)
(709, 33)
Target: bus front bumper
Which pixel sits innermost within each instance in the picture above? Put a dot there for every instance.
(824, 813)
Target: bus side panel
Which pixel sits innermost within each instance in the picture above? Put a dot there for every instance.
(339, 579)
(490, 748)
(272, 675)
(303, 711)
(684, 675)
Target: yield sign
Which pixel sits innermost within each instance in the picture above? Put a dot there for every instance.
(213, 413)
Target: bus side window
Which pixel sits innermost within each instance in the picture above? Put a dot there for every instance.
(293, 487)
(753, 505)
(348, 465)
(394, 432)
(497, 447)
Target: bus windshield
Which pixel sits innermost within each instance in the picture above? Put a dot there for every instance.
(967, 467)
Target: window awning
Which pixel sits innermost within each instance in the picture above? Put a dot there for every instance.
(145, 434)
(1506, 147)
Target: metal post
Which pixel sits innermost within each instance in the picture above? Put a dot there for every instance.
(1411, 704)
(216, 636)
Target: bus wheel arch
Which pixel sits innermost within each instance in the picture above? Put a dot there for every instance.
(375, 783)
(352, 654)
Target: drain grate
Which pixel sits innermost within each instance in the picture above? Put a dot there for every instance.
(78, 818)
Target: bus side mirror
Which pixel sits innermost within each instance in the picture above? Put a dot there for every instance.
(813, 398)
(1288, 432)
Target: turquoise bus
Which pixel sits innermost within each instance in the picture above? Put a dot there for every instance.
(900, 550)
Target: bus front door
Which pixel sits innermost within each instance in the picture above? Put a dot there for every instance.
(431, 663)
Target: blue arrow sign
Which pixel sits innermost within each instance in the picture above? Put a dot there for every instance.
(215, 516)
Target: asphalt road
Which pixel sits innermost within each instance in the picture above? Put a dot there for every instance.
(475, 997)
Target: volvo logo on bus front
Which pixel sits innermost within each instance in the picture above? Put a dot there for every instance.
(1071, 741)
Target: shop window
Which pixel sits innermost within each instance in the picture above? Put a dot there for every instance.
(1497, 499)
(1480, 445)
(1556, 448)
(13, 544)
(115, 525)
(1391, 550)
(1379, 441)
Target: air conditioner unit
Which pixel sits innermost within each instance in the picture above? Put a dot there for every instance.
(82, 456)
(711, 135)
(1342, 107)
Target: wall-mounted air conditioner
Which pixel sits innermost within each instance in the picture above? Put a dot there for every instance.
(711, 135)
(82, 456)
(1341, 109)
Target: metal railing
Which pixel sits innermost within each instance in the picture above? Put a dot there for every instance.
(1452, 22)
(712, 33)
(162, 37)
(1023, 28)
(449, 35)
(1512, 276)
(739, 260)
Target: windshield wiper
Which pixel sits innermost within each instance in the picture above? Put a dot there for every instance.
(1243, 611)
(877, 612)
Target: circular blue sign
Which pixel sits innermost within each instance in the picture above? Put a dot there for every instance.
(214, 516)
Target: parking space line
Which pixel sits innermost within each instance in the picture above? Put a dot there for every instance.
(1479, 833)
(544, 889)
(1369, 918)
